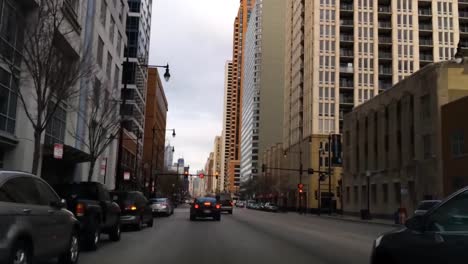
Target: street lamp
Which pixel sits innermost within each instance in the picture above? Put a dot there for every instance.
(154, 129)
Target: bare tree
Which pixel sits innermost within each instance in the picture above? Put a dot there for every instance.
(48, 73)
(102, 122)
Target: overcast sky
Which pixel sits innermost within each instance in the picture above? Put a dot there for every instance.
(195, 38)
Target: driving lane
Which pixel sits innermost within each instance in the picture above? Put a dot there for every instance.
(245, 237)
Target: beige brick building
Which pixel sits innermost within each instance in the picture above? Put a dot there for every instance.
(394, 141)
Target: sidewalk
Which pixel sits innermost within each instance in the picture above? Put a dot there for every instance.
(349, 218)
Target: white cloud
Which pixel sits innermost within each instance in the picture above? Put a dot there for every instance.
(195, 37)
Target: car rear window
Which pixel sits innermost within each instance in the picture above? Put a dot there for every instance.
(159, 200)
(81, 191)
(206, 199)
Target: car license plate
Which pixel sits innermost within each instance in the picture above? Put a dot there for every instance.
(206, 211)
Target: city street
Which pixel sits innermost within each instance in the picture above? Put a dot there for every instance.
(247, 236)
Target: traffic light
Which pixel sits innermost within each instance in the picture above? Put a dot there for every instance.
(300, 187)
(201, 175)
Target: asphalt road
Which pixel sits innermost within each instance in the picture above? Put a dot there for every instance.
(245, 237)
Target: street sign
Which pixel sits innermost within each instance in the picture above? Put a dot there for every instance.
(127, 176)
(58, 151)
(103, 166)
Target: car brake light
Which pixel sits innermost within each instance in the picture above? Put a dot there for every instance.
(207, 204)
(232, 203)
(218, 206)
(131, 208)
(196, 206)
(80, 209)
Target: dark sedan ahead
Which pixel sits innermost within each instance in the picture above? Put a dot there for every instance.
(205, 207)
(136, 209)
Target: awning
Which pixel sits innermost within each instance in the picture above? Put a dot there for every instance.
(70, 154)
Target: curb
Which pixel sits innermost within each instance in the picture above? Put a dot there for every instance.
(360, 221)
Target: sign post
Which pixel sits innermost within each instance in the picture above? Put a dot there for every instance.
(58, 151)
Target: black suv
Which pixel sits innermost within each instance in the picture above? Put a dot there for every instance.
(92, 205)
(136, 209)
(34, 224)
(438, 236)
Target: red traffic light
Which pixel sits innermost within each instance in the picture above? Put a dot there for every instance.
(300, 191)
(201, 175)
(300, 186)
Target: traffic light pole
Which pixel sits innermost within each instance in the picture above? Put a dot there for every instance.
(329, 176)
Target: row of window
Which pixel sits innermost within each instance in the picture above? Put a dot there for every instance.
(373, 193)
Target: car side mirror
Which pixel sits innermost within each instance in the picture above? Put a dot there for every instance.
(60, 204)
(415, 223)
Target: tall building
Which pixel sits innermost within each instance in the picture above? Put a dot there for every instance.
(210, 182)
(396, 145)
(155, 127)
(228, 131)
(234, 95)
(262, 96)
(136, 73)
(168, 157)
(340, 54)
(217, 161)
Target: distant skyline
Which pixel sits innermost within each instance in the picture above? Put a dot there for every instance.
(195, 38)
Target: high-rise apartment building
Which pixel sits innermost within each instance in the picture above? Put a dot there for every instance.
(234, 95)
(340, 54)
(228, 130)
(168, 157)
(262, 101)
(137, 50)
(217, 161)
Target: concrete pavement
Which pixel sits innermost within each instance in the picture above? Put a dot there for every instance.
(245, 237)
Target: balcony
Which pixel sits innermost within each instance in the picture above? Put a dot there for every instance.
(348, 100)
(383, 70)
(346, 83)
(425, 12)
(425, 42)
(346, 24)
(385, 40)
(384, 85)
(346, 53)
(346, 10)
(346, 40)
(462, 2)
(464, 28)
(346, 68)
(463, 14)
(385, 25)
(385, 55)
(384, 9)
(426, 57)
(425, 27)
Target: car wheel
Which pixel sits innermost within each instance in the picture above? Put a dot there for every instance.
(150, 222)
(192, 218)
(20, 254)
(139, 225)
(115, 233)
(73, 252)
(93, 236)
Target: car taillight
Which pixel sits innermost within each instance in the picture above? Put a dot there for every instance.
(207, 204)
(131, 208)
(232, 203)
(80, 209)
(218, 206)
(196, 206)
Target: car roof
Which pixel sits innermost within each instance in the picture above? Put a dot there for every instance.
(430, 201)
(8, 174)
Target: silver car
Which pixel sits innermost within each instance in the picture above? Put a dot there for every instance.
(162, 206)
(34, 224)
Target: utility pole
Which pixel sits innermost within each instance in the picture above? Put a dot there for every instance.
(329, 176)
(119, 172)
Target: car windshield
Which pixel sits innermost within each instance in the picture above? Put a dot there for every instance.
(206, 199)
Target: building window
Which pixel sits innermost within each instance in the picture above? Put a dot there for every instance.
(457, 142)
(397, 190)
(355, 194)
(8, 101)
(385, 193)
(427, 146)
(348, 194)
(100, 52)
(103, 13)
(55, 130)
(425, 106)
(374, 193)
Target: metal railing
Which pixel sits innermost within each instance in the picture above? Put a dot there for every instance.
(385, 24)
(344, 22)
(425, 26)
(425, 12)
(385, 70)
(346, 69)
(346, 37)
(426, 57)
(426, 42)
(384, 9)
(385, 55)
(346, 7)
(385, 40)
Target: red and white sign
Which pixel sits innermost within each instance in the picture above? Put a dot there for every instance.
(103, 166)
(127, 176)
(58, 151)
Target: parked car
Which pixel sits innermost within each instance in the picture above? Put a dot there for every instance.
(424, 206)
(240, 204)
(162, 206)
(92, 205)
(136, 209)
(261, 206)
(34, 222)
(205, 207)
(226, 202)
(271, 207)
(438, 236)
